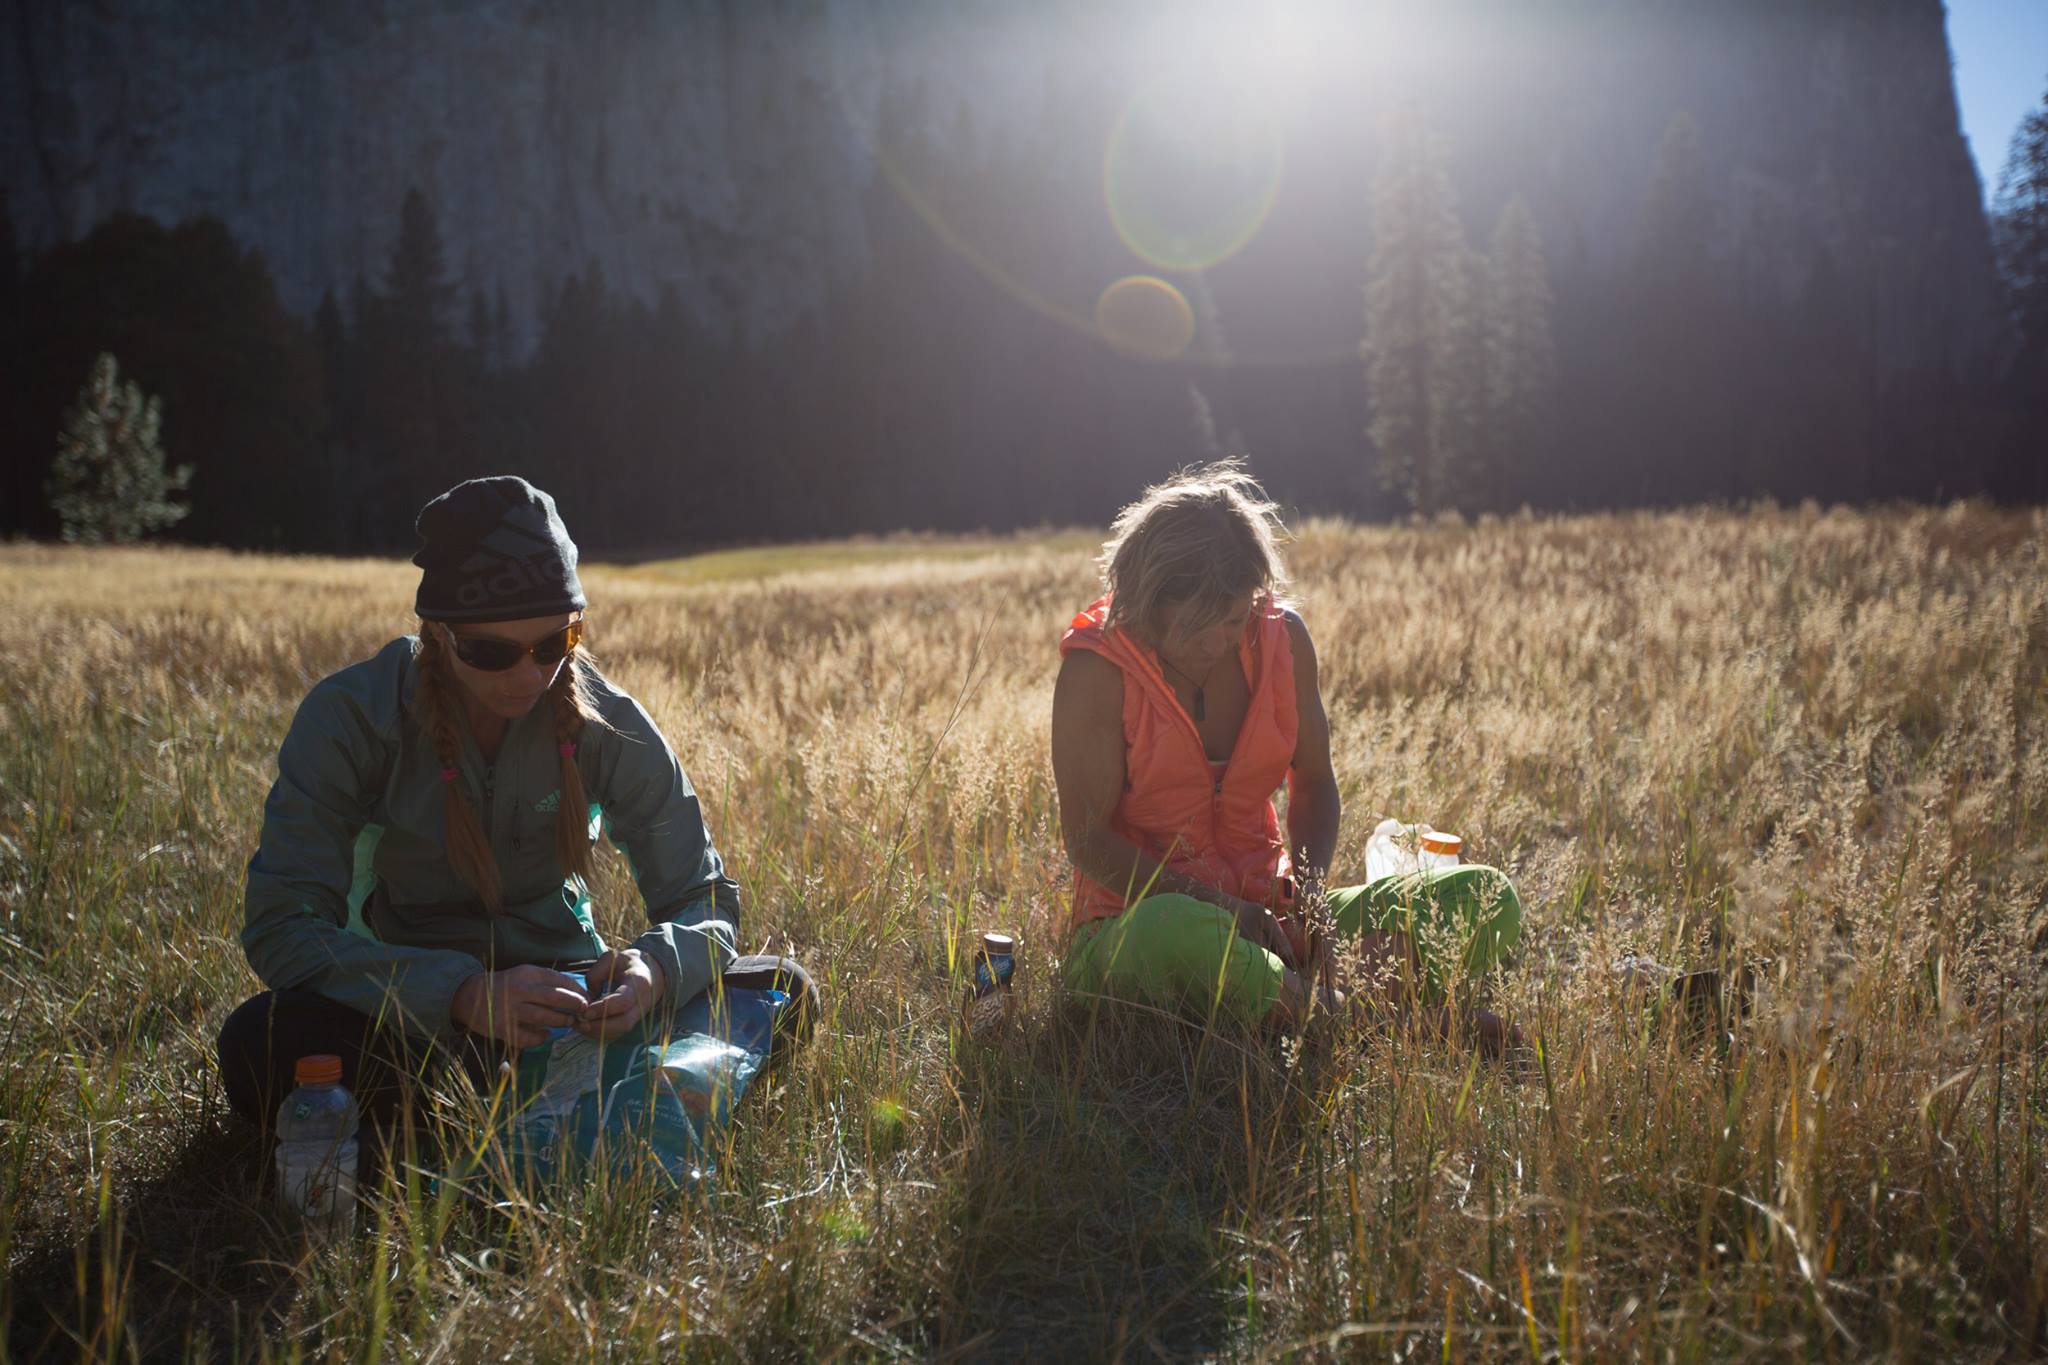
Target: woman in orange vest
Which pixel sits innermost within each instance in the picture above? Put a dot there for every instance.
(1187, 695)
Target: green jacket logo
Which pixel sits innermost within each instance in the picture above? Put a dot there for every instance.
(549, 804)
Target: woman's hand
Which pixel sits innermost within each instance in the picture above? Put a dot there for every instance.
(1260, 926)
(632, 985)
(1298, 937)
(518, 1005)
(1315, 950)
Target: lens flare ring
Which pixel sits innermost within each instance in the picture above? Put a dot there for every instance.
(1145, 316)
(1029, 294)
(1191, 170)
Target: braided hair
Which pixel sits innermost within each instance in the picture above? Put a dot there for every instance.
(569, 694)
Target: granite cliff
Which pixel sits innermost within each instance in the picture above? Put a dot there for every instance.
(724, 147)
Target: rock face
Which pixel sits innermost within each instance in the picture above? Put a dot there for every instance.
(723, 146)
(669, 143)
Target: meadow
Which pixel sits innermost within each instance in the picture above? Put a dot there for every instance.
(1812, 742)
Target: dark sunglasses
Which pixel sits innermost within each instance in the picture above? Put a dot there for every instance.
(495, 656)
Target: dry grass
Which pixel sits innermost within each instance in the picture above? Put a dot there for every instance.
(1816, 738)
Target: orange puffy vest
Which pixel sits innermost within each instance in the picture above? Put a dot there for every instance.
(1222, 831)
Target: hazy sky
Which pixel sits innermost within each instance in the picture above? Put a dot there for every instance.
(2001, 52)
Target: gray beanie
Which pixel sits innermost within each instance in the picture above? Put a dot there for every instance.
(494, 550)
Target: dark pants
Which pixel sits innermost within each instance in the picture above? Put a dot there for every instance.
(382, 1065)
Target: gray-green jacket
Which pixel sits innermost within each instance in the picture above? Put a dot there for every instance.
(357, 808)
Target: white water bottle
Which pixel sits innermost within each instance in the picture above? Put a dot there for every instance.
(1396, 849)
(1435, 848)
(316, 1148)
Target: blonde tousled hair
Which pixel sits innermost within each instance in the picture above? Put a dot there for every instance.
(469, 847)
(1194, 542)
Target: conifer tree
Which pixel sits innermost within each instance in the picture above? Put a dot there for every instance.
(332, 343)
(479, 336)
(1680, 342)
(410, 428)
(18, 466)
(501, 328)
(1419, 323)
(1214, 444)
(416, 284)
(330, 334)
(109, 482)
(1677, 211)
(1472, 443)
(1521, 366)
(2020, 228)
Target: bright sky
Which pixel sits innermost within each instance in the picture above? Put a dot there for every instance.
(2001, 52)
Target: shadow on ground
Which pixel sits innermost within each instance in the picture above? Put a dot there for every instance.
(1097, 1208)
(184, 1265)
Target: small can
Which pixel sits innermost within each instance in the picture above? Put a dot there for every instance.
(987, 1007)
(995, 963)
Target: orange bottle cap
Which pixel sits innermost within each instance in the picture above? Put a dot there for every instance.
(1440, 842)
(320, 1069)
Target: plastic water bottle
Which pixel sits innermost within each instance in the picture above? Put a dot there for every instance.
(316, 1148)
(988, 1000)
(1435, 849)
(1396, 849)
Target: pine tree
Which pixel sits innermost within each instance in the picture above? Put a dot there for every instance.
(2020, 228)
(1680, 345)
(1521, 366)
(479, 336)
(332, 343)
(330, 335)
(109, 482)
(1677, 211)
(1209, 441)
(18, 465)
(576, 415)
(501, 329)
(1420, 323)
(416, 283)
(410, 425)
(198, 314)
(1471, 444)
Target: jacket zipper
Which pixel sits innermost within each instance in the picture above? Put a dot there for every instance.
(1195, 733)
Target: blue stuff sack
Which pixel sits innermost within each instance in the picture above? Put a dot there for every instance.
(661, 1094)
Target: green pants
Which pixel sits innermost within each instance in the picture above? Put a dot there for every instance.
(1181, 953)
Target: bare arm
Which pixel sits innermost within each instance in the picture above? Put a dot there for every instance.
(1314, 808)
(1088, 768)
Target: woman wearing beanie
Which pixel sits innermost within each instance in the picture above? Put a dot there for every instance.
(426, 851)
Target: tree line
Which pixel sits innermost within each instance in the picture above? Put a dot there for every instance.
(923, 394)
